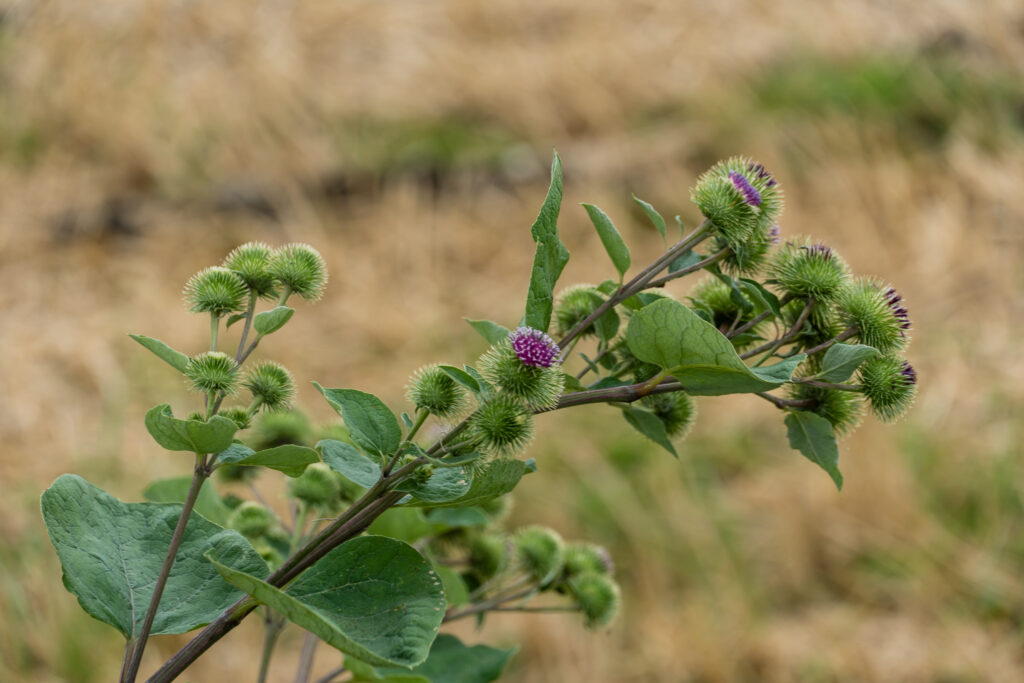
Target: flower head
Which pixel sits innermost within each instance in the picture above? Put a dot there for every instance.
(750, 194)
(533, 347)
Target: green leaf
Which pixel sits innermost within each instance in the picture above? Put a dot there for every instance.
(653, 215)
(111, 553)
(271, 321)
(610, 238)
(288, 458)
(842, 360)
(374, 598)
(685, 260)
(450, 662)
(486, 388)
(175, 490)
(373, 427)
(455, 590)
(572, 384)
(607, 326)
(648, 424)
(672, 336)
(490, 480)
(491, 331)
(212, 436)
(761, 296)
(348, 461)
(812, 435)
(735, 293)
(176, 359)
(233, 319)
(462, 377)
(445, 484)
(550, 256)
(404, 524)
(457, 517)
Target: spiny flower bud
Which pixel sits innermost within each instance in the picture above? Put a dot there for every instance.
(487, 556)
(597, 596)
(251, 262)
(574, 305)
(583, 557)
(212, 372)
(272, 384)
(539, 386)
(714, 297)
(748, 256)
(890, 385)
(542, 553)
(281, 428)
(843, 409)
(808, 270)
(300, 268)
(502, 425)
(533, 347)
(232, 473)
(270, 555)
(822, 325)
(676, 410)
(240, 416)
(750, 195)
(497, 509)
(431, 389)
(215, 290)
(877, 312)
(741, 199)
(250, 519)
(316, 486)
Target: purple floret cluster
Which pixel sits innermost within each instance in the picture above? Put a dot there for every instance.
(894, 300)
(761, 172)
(750, 194)
(820, 250)
(533, 347)
(909, 373)
(774, 234)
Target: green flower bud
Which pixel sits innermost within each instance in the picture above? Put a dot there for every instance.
(743, 202)
(676, 410)
(300, 268)
(822, 325)
(869, 306)
(808, 269)
(240, 416)
(280, 428)
(272, 384)
(212, 371)
(714, 297)
(501, 425)
(497, 509)
(251, 263)
(217, 291)
(573, 305)
(843, 409)
(239, 473)
(597, 596)
(250, 519)
(749, 256)
(487, 556)
(890, 386)
(431, 389)
(540, 387)
(270, 555)
(583, 557)
(316, 486)
(542, 553)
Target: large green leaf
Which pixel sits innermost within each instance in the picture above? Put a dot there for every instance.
(374, 598)
(111, 553)
(197, 436)
(372, 426)
(648, 424)
(613, 243)
(176, 359)
(812, 435)
(490, 480)
(175, 490)
(652, 215)
(271, 321)
(672, 336)
(491, 331)
(287, 458)
(449, 662)
(842, 360)
(550, 257)
(348, 461)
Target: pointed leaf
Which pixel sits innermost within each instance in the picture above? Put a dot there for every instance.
(446, 484)
(610, 238)
(842, 360)
(176, 359)
(761, 296)
(491, 331)
(373, 427)
(233, 319)
(462, 377)
(449, 662)
(373, 597)
(653, 215)
(648, 424)
(812, 435)
(348, 461)
(111, 553)
(271, 321)
(550, 256)
(287, 458)
(175, 490)
(490, 480)
(197, 436)
(456, 517)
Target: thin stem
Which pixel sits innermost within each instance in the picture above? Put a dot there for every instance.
(592, 365)
(139, 646)
(485, 606)
(306, 658)
(249, 312)
(699, 265)
(827, 385)
(784, 403)
(300, 523)
(789, 336)
(421, 417)
(273, 632)
(286, 292)
(552, 608)
(756, 319)
(214, 329)
(331, 675)
(842, 336)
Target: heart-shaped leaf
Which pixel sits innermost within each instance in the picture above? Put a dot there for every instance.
(373, 427)
(212, 436)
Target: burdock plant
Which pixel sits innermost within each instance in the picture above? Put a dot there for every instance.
(789, 325)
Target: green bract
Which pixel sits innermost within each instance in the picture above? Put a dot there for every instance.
(888, 386)
(597, 595)
(217, 291)
(581, 557)
(212, 372)
(542, 553)
(251, 263)
(863, 306)
(433, 390)
(250, 519)
(487, 555)
(538, 387)
(738, 214)
(573, 306)
(271, 384)
(301, 269)
(316, 486)
(502, 425)
(843, 409)
(808, 270)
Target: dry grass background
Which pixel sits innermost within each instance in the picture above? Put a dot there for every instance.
(409, 142)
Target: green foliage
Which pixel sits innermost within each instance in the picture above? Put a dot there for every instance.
(373, 427)
(176, 359)
(374, 598)
(106, 549)
(648, 424)
(812, 435)
(198, 436)
(550, 257)
(288, 458)
(611, 239)
(490, 480)
(538, 387)
(491, 331)
(656, 220)
(842, 360)
(175, 490)
(271, 321)
(449, 662)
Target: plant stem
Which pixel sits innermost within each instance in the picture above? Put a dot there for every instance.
(273, 632)
(827, 385)
(842, 336)
(332, 675)
(485, 606)
(789, 336)
(306, 658)
(421, 417)
(784, 403)
(214, 329)
(700, 265)
(138, 644)
(249, 312)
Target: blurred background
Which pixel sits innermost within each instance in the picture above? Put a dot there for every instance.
(410, 143)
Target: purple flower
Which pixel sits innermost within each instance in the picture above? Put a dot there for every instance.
(761, 173)
(774, 234)
(819, 250)
(909, 373)
(533, 347)
(750, 194)
(893, 298)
